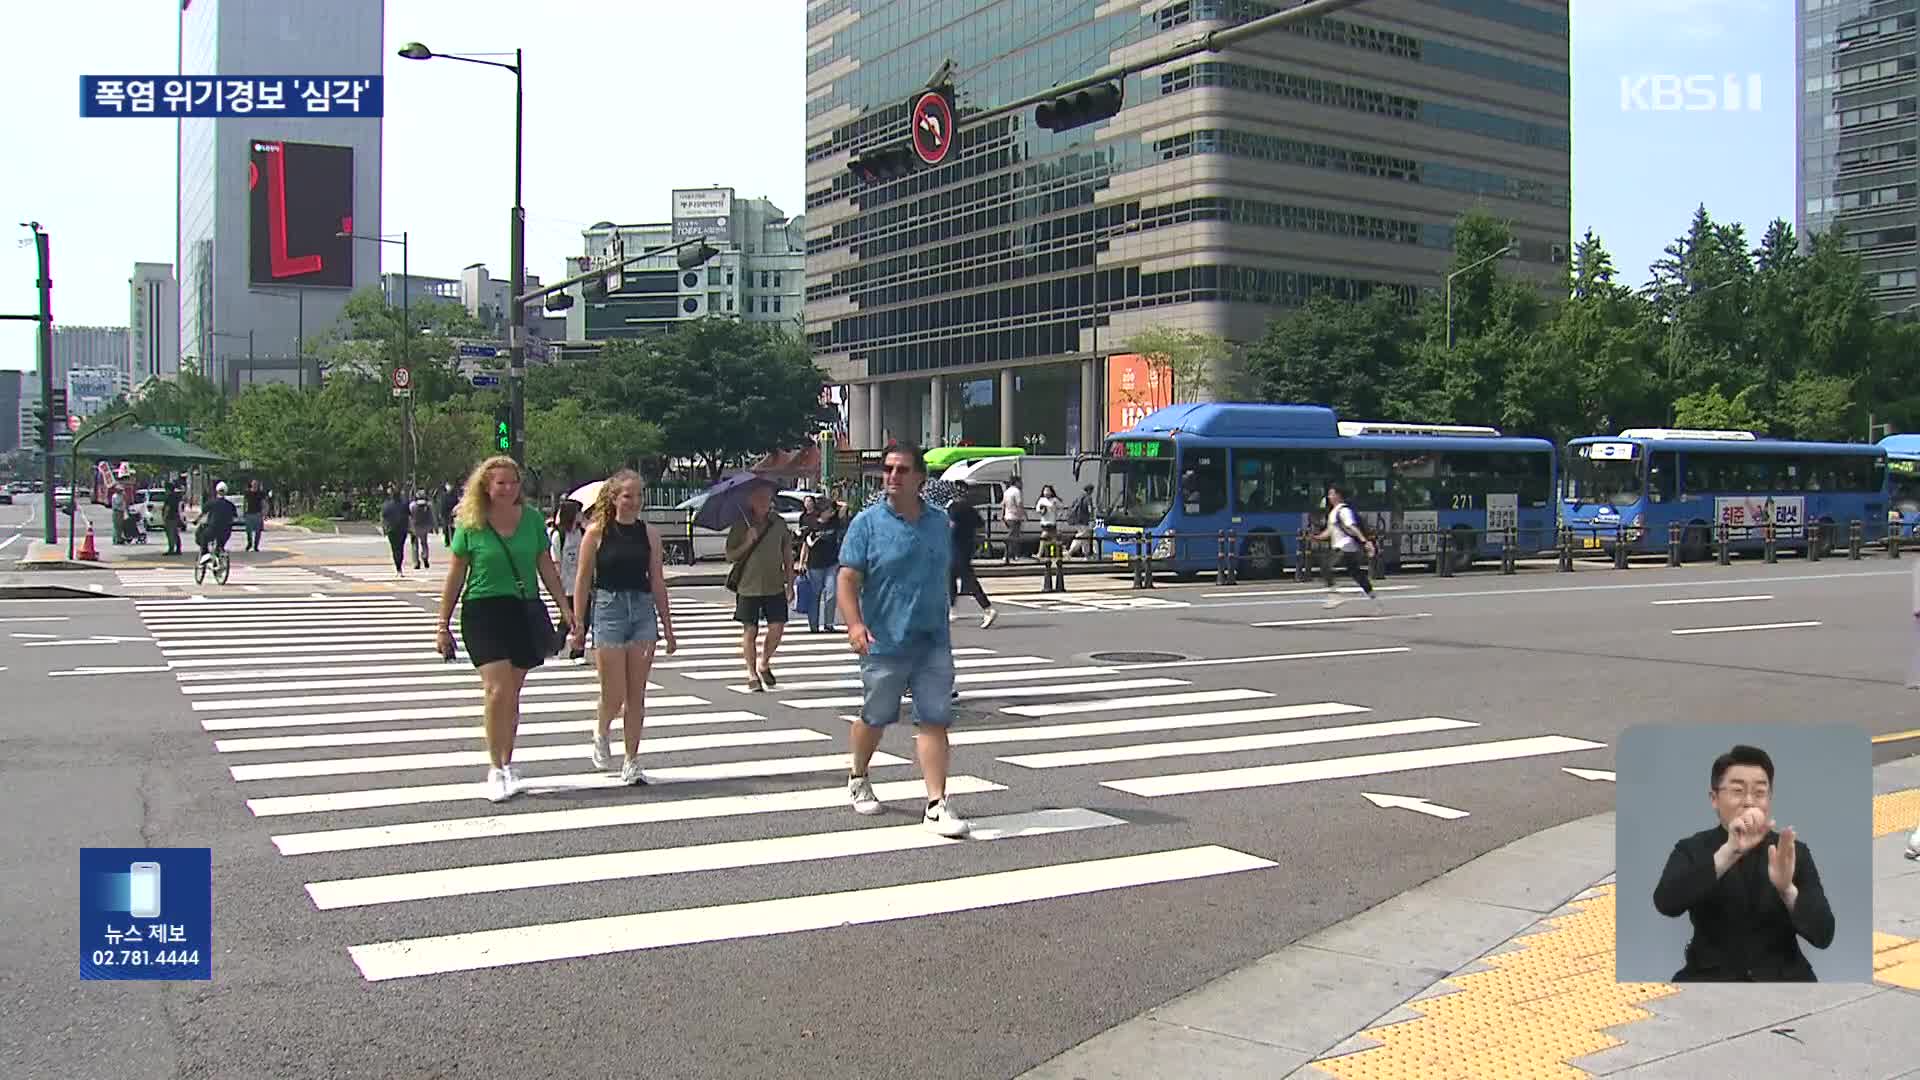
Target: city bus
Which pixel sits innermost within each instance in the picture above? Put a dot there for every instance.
(1185, 473)
(1903, 481)
(1642, 481)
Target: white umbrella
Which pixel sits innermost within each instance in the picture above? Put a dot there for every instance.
(586, 494)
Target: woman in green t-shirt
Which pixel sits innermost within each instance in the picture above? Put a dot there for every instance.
(500, 560)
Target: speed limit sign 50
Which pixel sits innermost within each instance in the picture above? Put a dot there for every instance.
(402, 379)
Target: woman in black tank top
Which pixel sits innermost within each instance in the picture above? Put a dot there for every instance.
(621, 581)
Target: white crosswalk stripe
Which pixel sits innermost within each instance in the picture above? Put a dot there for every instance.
(333, 710)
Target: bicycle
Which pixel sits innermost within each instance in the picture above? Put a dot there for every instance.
(217, 561)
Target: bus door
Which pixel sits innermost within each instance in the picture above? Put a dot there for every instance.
(1203, 504)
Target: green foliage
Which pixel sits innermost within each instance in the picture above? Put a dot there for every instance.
(1200, 365)
(1726, 335)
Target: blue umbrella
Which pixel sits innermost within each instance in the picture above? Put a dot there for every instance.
(724, 505)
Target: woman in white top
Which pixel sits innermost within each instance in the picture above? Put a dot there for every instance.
(568, 531)
(1049, 510)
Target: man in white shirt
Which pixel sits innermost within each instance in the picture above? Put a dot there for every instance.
(1353, 550)
(1013, 513)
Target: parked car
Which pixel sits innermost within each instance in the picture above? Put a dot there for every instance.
(6, 497)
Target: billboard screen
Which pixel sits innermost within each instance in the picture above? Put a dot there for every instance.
(1134, 389)
(299, 197)
(89, 390)
(706, 213)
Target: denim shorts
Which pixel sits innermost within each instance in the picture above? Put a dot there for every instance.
(623, 618)
(926, 666)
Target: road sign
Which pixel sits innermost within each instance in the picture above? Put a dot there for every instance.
(402, 392)
(932, 119)
(172, 431)
(486, 379)
(402, 379)
(479, 349)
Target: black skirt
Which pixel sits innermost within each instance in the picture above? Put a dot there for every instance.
(495, 628)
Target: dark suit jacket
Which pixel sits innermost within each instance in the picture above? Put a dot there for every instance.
(1742, 930)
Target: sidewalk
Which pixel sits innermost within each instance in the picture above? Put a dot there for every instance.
(1503, 968)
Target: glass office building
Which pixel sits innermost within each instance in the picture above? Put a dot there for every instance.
(1859, 133)
(981, 301)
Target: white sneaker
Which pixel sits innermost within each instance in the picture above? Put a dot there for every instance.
(514, 780)
(860, 793)
(496, 788)
(1379, 605)
(631, 775)
(1333, 602)
(987, 619)
(1913, 845)
(602, 756)
(941, 819)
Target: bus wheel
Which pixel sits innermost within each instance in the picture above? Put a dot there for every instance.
(1695, 542)
(1465, 544)
(1260, 556)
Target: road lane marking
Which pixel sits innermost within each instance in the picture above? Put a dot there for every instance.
(852, 700)
(1546, 589)
(457, 734)
(529, 821)
(959, 680)
(1271, 657)
(1310, 591)
(767, 918)
(685, 859)
(1135, 725)
(551, 676)
(458, 759)
(434, 712)
(324, 700)
(1147, 701)
(1300, 772)
(1271, 740)
(1712, 600)
(1749, 626)
(1346, 619)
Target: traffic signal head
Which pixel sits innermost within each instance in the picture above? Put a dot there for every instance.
(503, 430)
(1079, 108)
(698, 254)
(59, 404)
(884, 163)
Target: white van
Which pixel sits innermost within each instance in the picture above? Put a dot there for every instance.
(987, 480)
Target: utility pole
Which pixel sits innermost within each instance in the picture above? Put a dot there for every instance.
(43, 253)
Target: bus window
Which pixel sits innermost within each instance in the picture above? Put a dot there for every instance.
(1363, 473)
(1203, 481)
(1663, 474)
(1416, 482)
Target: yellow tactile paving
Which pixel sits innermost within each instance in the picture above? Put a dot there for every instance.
(1897, 811)
(1896, 961)
(1541, 1005)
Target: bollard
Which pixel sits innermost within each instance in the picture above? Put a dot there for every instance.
(1233, 558)
(1620, 547)
(1853, 540)
(1303, 557)
(1147, 578)
(1510, 539)
(1137, 563)
(1893, 541)
(1726, 545)
(1769, 549)
(1816, 541)
(1443, 560)
(1566, 548)
(1220, 559)
(1673, 545)
(1054, 574)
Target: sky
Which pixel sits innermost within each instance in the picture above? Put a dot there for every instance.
(677, 99)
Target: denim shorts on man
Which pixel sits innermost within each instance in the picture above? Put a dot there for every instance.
(626, 617)
(926, 665)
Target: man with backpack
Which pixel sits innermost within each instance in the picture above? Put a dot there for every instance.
(1352, 543)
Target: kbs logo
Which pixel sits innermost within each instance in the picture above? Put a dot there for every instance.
(1689, 93)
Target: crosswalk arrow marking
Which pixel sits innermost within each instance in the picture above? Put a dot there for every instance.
(1408, 802)
(1591, 774)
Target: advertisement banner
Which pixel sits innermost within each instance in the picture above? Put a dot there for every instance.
(1134, 389)
(1422, 532)
(1503, 512)
(1742, 513)
(90, 389)
(299, 201)
(705, 213)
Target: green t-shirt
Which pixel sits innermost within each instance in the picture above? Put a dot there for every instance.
(488, 572)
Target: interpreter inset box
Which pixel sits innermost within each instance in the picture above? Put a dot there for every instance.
(1744, 853)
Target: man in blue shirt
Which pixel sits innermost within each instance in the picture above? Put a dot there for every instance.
(893, 593)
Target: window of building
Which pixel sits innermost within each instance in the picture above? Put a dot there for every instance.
(776, 305)
(729, 277)
(763, 305)
(776, 279)
(763, 279)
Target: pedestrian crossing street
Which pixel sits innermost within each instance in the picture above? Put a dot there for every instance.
(359, 749)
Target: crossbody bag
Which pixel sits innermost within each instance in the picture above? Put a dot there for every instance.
(546, 640)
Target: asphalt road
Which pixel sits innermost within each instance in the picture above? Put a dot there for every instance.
(1155, 871)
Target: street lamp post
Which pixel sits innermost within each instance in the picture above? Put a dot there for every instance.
(223, 370)
(407, 455)
(45, 319)
(516, 246)
(1457, 273)
(299, 296)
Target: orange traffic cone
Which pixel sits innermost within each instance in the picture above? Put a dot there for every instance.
(89, 553)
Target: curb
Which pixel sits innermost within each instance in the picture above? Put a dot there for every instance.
(51, 592)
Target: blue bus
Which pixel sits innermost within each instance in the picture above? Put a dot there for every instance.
(1642, 481)
(1185, 473)
(1903, 481)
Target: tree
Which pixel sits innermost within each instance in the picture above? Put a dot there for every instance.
(568, 444)
(1712, 409)
(1199, 364)
(366, 342)
(1333, 352)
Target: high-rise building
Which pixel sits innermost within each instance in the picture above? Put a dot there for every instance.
(10, 404)
(153, 324)
(756, 277)
(983, 300)
(1857, 129)
(241, 267)
(91, 362)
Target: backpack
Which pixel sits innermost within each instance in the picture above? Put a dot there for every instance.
(1360, 527)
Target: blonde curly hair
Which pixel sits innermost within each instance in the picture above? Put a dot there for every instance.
(474, 501)
(603, 505)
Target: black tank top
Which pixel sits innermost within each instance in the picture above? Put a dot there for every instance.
(624, 562)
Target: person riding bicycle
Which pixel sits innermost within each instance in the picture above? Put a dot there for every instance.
(215, 525)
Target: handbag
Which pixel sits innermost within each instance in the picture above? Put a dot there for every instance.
(740, 568)
(546, 640)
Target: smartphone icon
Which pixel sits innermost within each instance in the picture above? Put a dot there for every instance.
(144, 895)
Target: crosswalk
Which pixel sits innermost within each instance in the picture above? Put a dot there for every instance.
(277, 577)
(359, 749)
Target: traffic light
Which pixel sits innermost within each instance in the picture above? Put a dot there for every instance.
(1079, 108)
(503, 430)
(930, 138)
(57, 413)
(884, 163)
(36, 435)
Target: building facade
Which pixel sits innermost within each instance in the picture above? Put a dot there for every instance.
(330, 169)
(153, 324)
(91, 362)
(986, 300)
(1859, 136)
(756, 277)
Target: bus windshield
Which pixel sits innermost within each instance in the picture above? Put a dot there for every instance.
(1906, 486)
(1139, 491)
(1612, 482)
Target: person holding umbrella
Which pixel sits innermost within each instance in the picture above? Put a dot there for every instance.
(760, 547)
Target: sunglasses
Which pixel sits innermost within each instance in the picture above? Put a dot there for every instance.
(903, 470)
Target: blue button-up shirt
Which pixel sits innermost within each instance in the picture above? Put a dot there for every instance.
(905, 570)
